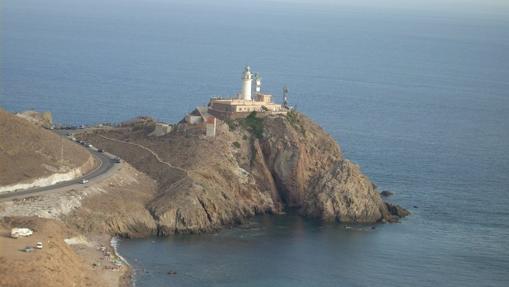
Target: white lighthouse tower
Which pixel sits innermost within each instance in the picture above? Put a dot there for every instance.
(247, 79)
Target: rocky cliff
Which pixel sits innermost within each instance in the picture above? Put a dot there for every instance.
(313, 176)
(253, 166)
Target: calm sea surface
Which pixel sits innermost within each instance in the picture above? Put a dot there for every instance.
(417, 94)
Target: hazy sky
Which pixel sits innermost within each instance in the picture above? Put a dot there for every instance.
(407, 4)
(475, 7)
(404, 3)
(374, 3)
(495, 6)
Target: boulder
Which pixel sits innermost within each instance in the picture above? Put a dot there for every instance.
(386, 193)
(397, 210)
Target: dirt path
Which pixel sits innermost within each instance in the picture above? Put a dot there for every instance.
(149, 150)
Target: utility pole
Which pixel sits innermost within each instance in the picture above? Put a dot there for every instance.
(61, 150)
(285, 96)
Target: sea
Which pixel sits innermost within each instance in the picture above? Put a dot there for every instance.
(416, 93)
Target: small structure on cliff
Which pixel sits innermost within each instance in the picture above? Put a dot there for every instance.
(161, 129)
(244, 103)
(200, 119)
(211, 123)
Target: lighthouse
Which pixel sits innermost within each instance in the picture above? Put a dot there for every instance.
(250, 99)
(247, 79)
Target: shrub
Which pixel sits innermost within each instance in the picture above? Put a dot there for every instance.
(236, 144)
(253, 124)
(232, 125)
(293, 118)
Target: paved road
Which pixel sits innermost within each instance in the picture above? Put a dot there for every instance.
(106, 164)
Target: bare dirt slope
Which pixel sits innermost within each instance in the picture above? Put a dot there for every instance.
(260, 165)
(117, 206)
(90, 216)
(28, 151)
(57, 264)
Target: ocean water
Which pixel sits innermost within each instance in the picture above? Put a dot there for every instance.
(416, 93)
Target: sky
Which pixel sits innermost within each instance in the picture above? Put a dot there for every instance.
(476, 8)
(486, 7)
(445, 4)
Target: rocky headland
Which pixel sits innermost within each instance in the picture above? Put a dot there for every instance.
(252, 166)
(169, 182)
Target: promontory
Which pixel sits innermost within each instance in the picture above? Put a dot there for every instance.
(76, 188)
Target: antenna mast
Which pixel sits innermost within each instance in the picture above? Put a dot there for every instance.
(285, 96)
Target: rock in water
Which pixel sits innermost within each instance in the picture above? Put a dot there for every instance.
(397, 210)
(386, 193)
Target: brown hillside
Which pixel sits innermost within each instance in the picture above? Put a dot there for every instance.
(57, 264)
(28, 151)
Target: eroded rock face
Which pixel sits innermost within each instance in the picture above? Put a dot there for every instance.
(207, 183)
(295, 151)
(197, 204)
(344, 194)
(115, 206)
(313, 175)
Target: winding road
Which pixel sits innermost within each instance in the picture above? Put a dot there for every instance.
(105, 168)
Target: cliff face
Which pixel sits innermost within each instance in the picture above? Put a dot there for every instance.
(251, 167)
(312, 175)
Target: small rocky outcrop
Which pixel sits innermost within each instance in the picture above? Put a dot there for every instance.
(43, 119)
(386, 193)
(396, 211)
(253, 166)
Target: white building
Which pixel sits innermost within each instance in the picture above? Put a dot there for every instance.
(247, 80)
(245, 103)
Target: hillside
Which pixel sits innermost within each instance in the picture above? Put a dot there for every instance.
(251, 167)
(57, 264)
(44, 119)
(29, 152)
(87, 218)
